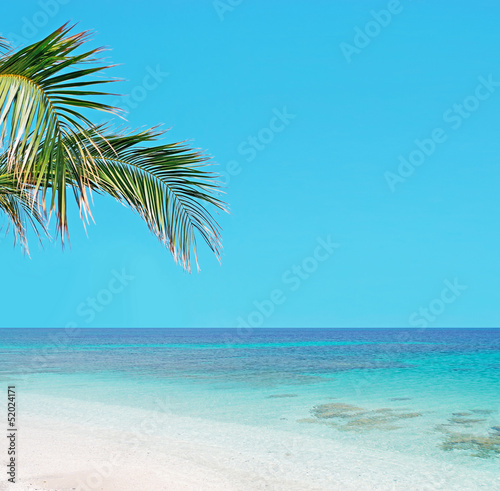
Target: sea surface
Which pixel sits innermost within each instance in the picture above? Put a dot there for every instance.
(425, 392)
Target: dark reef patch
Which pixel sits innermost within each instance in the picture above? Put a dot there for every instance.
(347, 417)
(478, 441)
(483, 446)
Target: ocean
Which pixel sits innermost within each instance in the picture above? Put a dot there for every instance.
(432, 393)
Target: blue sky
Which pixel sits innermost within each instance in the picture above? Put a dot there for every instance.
(308, 118)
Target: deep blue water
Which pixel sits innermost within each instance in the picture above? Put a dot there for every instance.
(170, 352)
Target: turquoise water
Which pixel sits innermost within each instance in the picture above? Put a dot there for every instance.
(432, 392)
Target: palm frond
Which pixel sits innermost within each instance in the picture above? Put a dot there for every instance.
(165, 184)
(4, 45)
(42, 93)
(17, 205)
(48, 144)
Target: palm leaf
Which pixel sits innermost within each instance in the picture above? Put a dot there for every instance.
(49, 144)
(42, 93)
(4, 45)
(165, 184)
(17, 205)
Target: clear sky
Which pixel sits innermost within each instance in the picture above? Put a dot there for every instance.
(362, 170)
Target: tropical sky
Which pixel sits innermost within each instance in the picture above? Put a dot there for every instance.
(359, 147)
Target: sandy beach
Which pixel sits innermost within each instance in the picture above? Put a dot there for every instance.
(250, 245)
(119, 449)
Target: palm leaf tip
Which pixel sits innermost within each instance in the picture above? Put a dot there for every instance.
(21, 210)
(4, 45)
(166, 185)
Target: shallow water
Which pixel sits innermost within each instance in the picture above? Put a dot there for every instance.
(433, 392)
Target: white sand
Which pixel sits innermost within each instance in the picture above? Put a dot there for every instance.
(160, 451)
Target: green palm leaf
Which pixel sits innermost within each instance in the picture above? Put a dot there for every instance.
(42, 92)
(48, 144)
(4, 45)
(165, 184)
(17, 205)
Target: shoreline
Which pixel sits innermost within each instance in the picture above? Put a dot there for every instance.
(121, 448)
